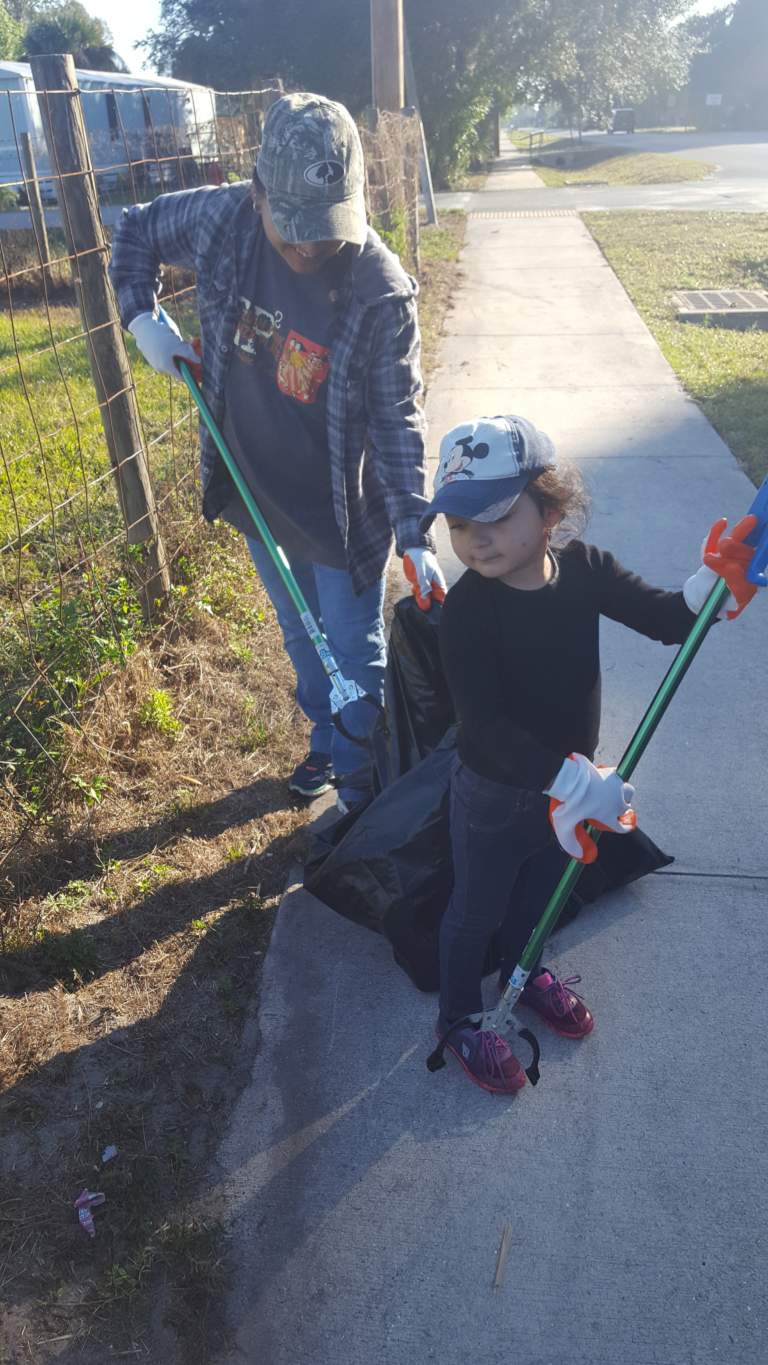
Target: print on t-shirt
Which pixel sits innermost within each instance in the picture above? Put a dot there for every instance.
(299, 365)
(302, 368)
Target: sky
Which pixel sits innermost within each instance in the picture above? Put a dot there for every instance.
(130, 20)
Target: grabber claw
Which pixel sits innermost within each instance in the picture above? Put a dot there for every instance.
(532, 1071)
(436, 1059)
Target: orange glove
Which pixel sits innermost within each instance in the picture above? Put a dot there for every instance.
(725, 557)
(582, 792)
(197, 369)
(425, 576)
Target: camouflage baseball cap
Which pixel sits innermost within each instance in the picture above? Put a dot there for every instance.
(311, 166)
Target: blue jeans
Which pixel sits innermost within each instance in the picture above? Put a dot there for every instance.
(505, 870)
(354, 627)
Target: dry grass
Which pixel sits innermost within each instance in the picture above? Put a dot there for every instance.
(134, 928)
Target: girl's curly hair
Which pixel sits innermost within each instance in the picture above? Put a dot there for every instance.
(562, 490)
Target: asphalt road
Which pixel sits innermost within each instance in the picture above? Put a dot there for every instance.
(739, 184)
(740, 155)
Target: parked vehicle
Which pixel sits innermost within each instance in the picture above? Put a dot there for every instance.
(165, 128)
(622, 121)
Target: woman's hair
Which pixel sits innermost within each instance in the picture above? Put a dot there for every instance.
(257, 187)
(562, 490)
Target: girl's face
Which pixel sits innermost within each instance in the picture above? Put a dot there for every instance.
(514, 548)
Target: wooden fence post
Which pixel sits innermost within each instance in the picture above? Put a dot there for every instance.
(59, 100)
(32, 188)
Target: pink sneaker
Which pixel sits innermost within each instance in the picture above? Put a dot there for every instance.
(558, 1005)
(487, 1059)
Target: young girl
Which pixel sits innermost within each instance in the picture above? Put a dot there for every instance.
(519, 638)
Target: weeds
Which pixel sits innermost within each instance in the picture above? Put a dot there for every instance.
(70, 958)
(393, 230)
(255, 732)
(71, 644)
(157, 713)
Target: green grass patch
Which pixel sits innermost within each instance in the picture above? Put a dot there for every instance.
(585, 163)
(57, 497)
(726, 371)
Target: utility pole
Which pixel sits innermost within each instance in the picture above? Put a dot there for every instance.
(387, 54)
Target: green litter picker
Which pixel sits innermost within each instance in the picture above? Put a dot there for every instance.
(342, 690)
(501, 1019)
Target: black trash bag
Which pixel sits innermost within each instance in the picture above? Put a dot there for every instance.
(417, 704)
(388, 866)
(392, 853)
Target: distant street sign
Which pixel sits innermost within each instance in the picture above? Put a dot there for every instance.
(714, 100)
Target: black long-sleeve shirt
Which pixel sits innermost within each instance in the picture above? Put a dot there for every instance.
(523, 667)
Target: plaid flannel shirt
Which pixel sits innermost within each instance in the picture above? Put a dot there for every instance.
(375, 424)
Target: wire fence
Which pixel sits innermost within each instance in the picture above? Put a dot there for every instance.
(392, 146)
(98, 462)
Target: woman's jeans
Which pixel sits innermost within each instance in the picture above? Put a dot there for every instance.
(505, 870)
(354, 627)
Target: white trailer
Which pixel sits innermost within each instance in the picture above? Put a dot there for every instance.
(164, 128)
(19, 113)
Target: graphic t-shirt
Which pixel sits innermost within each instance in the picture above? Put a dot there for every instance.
(275, 407)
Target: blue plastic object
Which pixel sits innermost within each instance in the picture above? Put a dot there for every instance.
(759, 538)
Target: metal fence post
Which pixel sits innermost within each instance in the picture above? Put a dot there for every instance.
(412, 183)
(59, 100)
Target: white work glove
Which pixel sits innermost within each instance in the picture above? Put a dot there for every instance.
(583, 792)
(160, 342)
(726, 557)
(425, 576)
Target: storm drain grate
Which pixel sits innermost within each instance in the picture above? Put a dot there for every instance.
(738, 308)
(523, 213)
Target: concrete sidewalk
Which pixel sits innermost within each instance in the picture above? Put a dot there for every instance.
(366, 1198)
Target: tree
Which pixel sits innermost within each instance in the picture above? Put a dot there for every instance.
(468, 57)
(734, 62)
(10, 36)
(606, 52)
(68, 27)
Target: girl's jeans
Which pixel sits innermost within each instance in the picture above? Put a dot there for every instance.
(505, 870)
(355, 630)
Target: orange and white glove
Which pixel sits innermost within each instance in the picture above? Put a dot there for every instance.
(724, 557)
(582, 792)
(425, 576)
(161, 343)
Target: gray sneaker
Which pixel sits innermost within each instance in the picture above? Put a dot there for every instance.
(313, 776)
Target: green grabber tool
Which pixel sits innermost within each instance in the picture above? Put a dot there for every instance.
(342, 690)
(501, 1019)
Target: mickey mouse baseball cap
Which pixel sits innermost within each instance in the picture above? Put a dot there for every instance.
(311, 166)
(485, 465)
